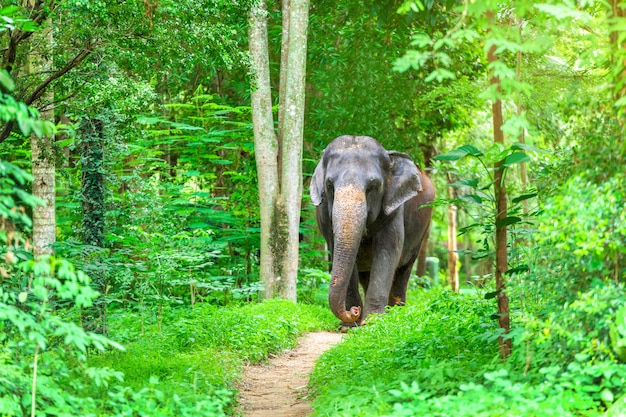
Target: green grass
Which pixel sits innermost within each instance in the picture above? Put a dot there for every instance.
(436, 340)
(199, 353)
(439, 357)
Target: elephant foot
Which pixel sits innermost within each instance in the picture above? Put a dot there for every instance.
(345, 327)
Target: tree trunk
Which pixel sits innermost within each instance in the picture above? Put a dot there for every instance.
(92, 182)
(44, 225)
(501, 214)
(291, 138)
(522, 134)
(265, 141)
(617, 13)
(279, 157)
(453, 254)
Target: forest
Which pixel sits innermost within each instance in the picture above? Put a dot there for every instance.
(160, 197)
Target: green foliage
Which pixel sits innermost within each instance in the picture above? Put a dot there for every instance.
(199, 353)
(49, 349)
(355, 91)
(437, 359)
(251, 331)
(12, 110)
(181, 220)
(473, 190)
(581, 235)
(14, 200)
(617, 333)
(43, 351)
(440, 341)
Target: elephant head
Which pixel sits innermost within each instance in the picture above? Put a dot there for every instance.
(357, 186)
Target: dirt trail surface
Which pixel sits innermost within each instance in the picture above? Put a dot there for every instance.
(279, 388)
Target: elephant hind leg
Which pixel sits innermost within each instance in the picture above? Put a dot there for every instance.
(397, 294)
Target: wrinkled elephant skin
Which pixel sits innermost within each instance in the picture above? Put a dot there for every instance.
(369, 205)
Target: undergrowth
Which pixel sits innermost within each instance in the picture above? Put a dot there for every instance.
(199, 353)
(432, 341)
(439, 358)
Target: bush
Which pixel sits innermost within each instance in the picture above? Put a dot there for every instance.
(582, 235)
(196, 355)
(439, 341)
(439, 358)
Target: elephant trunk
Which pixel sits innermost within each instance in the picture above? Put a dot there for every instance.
(349, 216)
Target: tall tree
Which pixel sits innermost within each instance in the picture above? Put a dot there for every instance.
(501, 205)
(44, 221)
(279, 154)
(92, 181)
(453, 254)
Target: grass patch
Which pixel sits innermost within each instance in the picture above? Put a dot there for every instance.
(192, 354)
(438, 340)
(439, 357)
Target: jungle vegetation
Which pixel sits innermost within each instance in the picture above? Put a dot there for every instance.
(132, 269)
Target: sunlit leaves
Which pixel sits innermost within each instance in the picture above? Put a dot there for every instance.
(565, 10)
(515, 158)
(459, 153)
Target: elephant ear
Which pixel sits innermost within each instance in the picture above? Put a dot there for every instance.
(317, 184)
(403, 182)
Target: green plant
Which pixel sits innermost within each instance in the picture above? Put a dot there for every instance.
(438, 340)
(582, 235)
(198, 354)
(436, 358)
(49, 349)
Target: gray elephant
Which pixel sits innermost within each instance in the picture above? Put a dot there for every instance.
(369, 209)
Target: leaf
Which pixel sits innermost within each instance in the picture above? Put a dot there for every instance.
(24, 124)
(515, 158)
(563, 11)
(471, 198)
(508, 221)
(421, 40)
(519, 268)
(440, 74)
(472, 182)
(493, 294)
(458, 153)
(526, 147)
(523, 197)
(6, 81)
(607, 396)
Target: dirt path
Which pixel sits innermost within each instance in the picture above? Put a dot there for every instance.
(279, 389)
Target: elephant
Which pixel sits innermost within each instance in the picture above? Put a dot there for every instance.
(371, 208)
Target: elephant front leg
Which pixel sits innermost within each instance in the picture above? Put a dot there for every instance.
(386, 255)
(353, 298)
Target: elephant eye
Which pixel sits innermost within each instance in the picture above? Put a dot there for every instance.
(373, 184)
(329, 185)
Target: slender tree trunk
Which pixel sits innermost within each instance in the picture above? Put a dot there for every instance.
(429, 151)
(523, 171)
(618, 13)
(279, 157)
(265, 140)
(92, 182)
(44, 225)
(501, 214)
(292, 133)
(453, 254)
